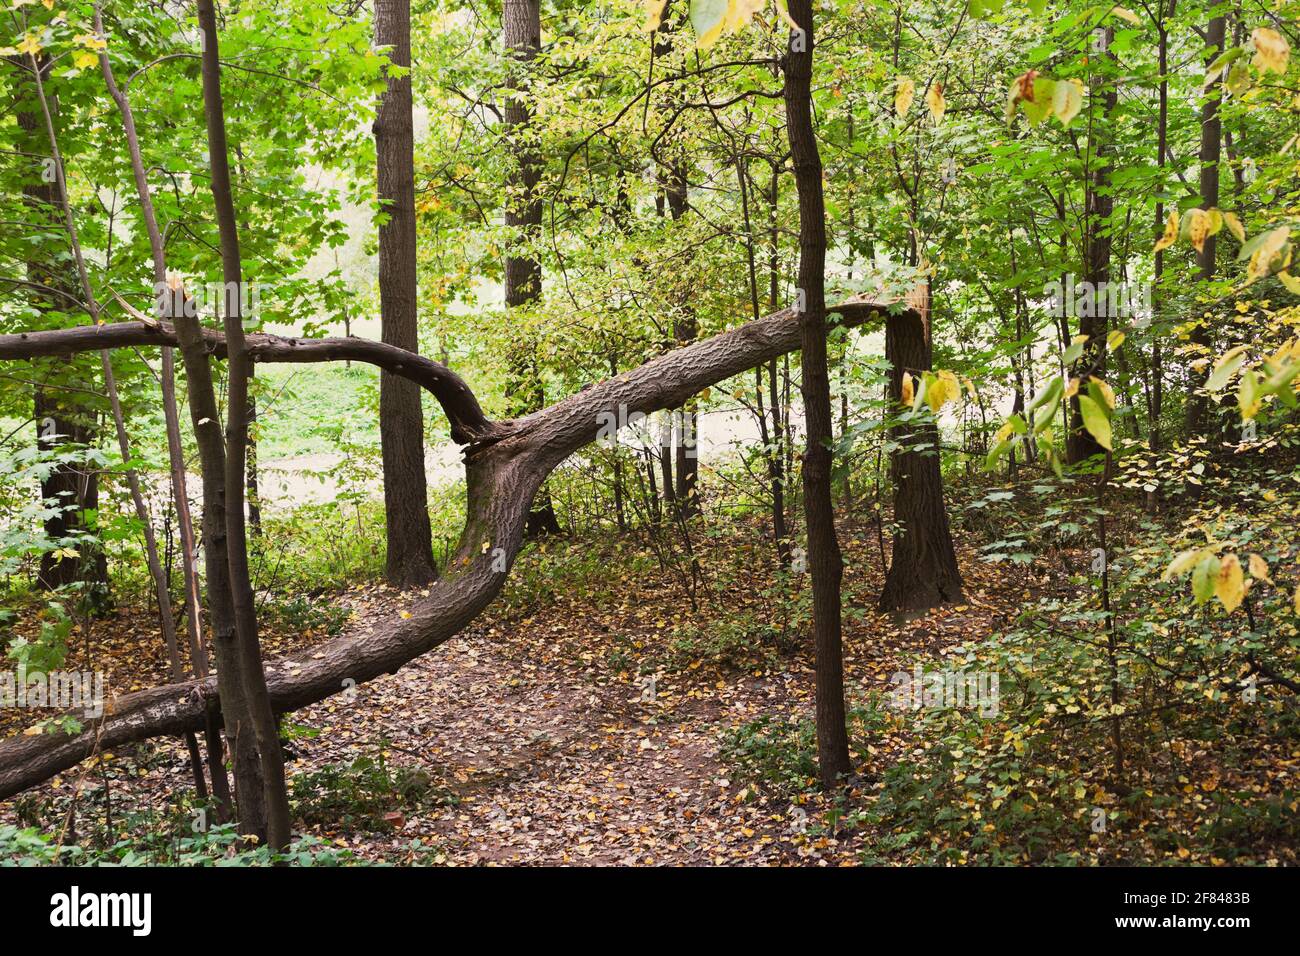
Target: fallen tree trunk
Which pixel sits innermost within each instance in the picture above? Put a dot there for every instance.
(505, 464)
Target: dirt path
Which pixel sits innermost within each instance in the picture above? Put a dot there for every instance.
(548, 768)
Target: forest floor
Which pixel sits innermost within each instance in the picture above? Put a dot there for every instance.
(538, 737)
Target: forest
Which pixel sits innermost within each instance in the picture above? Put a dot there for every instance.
(684, 433)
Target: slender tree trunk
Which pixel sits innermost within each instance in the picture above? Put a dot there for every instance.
(409, 560)
(1198, 423)
(824, 559)
(686, 329)
(776, 454)
(522, 28)
(249, 653)
(1094, 321)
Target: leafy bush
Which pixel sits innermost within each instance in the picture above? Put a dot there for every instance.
(360, 793)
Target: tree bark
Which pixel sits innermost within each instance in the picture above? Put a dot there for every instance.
(824, 560)
(1079, 443)
(923, 565)
(409, 559)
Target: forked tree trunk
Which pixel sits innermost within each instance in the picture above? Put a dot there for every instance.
(248, 652)
(409, 559)
(175, 448)
(824, 560)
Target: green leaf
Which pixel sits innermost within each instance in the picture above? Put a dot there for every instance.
(1205, 578)
(1096, 421)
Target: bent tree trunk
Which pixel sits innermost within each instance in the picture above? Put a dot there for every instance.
(505, 464)
(923, 567)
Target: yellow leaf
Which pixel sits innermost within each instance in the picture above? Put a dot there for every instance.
(1230, 586)
(29, 44)
(1171, 232)
(1067, 100)
(1258, 568)
(1235, 226)
(1291, 282)
(1095, 420)
(1198, 228)
(903, 95)
(82, 59)
(1271, 50)
(654, 13)
(1261, 261)
(1296, 602)
(934, 99)
(1181, 564)
(908, 392)
(1248, 399)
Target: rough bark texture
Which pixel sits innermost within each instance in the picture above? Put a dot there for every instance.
(409, 559)
(824, 559)
(503, 471)
(923, 566)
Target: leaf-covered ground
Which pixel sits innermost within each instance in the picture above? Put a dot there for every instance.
(593, 717)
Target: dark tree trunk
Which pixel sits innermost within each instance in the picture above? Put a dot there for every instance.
(1079, 443)
(522, 29)
(776, 454)
(686, 464)
(60, 417)
(923, 566)
(250, 470)
(248, 656)
(1211, 136)
(824, 560)
(409, 560)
